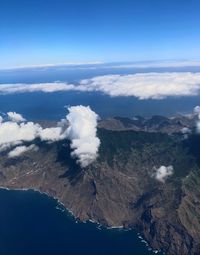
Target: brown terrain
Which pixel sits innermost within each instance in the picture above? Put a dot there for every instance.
(118, 189)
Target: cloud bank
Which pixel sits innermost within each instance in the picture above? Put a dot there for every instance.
(80, 126)
(140, 85)
(146, 85)
(163, 172)
(157, 64)
(37, 87)
(82, 133)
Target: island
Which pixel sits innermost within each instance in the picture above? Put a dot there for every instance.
(120, 188)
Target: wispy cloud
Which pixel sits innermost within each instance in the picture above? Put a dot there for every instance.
(157, 64)
(19, 150)
(112, 65)
(65, 64)
(37, 87)
(140, 85)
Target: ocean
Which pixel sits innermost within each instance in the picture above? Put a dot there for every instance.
(32, 223)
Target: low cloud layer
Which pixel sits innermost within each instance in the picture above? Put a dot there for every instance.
(80, 126)
(37, 87)
(146, 85)
(140, 85)
(163, 172)
(104, 65)
(157, 64)
(82, 133)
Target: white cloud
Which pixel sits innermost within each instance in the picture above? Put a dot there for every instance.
(82, 133)
(16, 117)
(38, 87)
(19, 150)
(198, 127)
(52, 134)
(197, 112)
(1, 119)
(197, 109)
(146, 85)
(7, 146)
(80, 126)
(13, 133)
(186, 130)
(163, 172)
(140, 85)
(157, 64)
(103, 65)
(65, 64)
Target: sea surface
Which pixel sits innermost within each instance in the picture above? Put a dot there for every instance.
(34, 224)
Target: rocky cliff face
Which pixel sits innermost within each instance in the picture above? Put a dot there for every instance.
(119, 189)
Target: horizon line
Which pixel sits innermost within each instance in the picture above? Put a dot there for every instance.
(115, 64)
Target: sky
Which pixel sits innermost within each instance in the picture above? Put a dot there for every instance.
(37, 32)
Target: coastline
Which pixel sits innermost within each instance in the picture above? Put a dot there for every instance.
(76, 220)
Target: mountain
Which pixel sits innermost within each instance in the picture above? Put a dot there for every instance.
(156, 123)
(120, 188)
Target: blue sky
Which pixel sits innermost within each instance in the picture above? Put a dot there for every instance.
(55, 31)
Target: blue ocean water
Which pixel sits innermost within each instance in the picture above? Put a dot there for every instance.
(34, 224)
